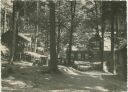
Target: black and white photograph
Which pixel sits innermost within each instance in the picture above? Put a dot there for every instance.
(63, 45)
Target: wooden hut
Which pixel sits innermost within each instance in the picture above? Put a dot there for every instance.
(78, 54)
(21, 41)
(94, 48)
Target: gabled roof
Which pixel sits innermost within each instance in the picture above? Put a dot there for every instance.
(35, 54)
(95, 38)
(24, 37)
(8, 34)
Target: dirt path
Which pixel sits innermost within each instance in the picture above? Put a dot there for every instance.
(27, 78)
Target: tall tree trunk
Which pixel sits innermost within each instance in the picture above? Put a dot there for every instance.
(5, 21)
(53, 57)
(47, 41)
(102, 35)
(4, 24)
(101, 51)
(102, 44)
(117, 29)
(112, 40)
(37, 27)
(71, 31)
(14, 32)
(58, 34)
(58, 41)
(97, 30)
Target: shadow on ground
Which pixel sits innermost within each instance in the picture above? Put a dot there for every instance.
(31, 79)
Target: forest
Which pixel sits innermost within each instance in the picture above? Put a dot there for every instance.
(66, 45)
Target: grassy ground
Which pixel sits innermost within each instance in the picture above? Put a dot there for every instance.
(28, 78)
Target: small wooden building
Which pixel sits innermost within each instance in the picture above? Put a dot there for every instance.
(94, 48)
(78, 54)
(6, 39)
(91, 53)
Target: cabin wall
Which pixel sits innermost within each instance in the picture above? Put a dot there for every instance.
(79, 55)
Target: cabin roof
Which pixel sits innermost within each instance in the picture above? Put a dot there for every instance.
(35, 54)
(95, 38)
(24, 37)
(20, 37)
